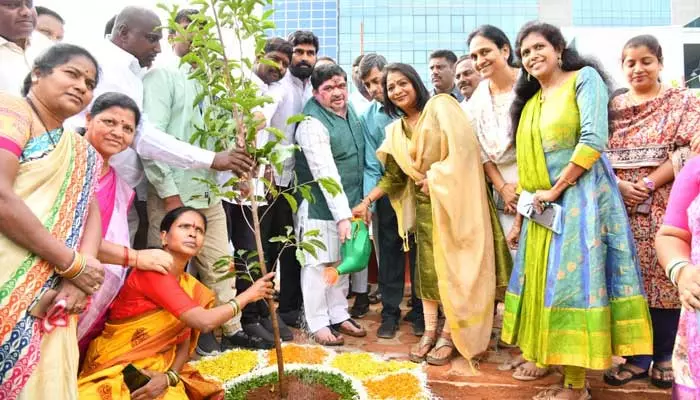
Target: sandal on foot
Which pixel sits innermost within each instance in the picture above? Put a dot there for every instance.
(519, 375)
(552, 393)
(339, 341)
(610, 376)
(441, 342)
(345, 331)
(662, 383)
(426, 343)
(512, 364)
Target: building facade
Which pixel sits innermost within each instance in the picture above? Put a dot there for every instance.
(409, 30)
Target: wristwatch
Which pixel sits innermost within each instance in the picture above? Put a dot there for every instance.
(649, 183)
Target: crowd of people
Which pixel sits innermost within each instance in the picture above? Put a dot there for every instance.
(522, 178)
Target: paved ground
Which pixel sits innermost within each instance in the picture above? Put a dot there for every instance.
(459, 381)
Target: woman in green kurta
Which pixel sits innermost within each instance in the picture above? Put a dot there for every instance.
(431, 158)
(575, 297)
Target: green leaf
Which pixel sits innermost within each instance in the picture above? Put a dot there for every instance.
(299, 253)
(292, 201)
(309, 248)
(330, 186)
(312, 233)
(279, 239)
(318, 244)
(295, 119)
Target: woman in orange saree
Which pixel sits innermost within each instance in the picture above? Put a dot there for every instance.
(155, 321)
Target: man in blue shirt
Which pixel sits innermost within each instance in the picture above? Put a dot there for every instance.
(388, 243)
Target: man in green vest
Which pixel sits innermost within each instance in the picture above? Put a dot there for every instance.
(332, 145)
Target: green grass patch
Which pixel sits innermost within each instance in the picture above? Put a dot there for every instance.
(333, 381)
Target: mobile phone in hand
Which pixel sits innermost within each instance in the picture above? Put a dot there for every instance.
(134, 379)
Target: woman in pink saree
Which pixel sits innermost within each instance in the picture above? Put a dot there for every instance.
(678, 249)
(111, 125)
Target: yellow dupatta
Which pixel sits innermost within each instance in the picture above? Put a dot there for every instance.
(148, 342)
(444, 148)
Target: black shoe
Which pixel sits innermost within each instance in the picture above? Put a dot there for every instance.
(291, 318)
(418, 327)
(257, 330)
(285, 333)
(388, 328)
(410, 316)
(207, 344)
(361, 306)
(242, 340)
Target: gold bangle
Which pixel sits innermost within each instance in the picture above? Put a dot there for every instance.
(502, 186)
(75, 268)
(235, 307)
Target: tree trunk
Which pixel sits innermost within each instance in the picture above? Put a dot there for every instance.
(270, 302)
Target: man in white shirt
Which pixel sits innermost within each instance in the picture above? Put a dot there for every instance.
(331, 139)
(19, 44)
(133, 45)
(255, 316)
(294, 90)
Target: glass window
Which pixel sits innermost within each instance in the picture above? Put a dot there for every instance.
(444, 25)
(431, 23)
(407, 24)
(457, 24)
(419, 23)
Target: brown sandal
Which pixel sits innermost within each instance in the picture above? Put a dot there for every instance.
(339, 341)
(441, 342)
(426, 343)
(553, 392)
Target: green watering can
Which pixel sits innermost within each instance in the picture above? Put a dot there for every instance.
(355, 253)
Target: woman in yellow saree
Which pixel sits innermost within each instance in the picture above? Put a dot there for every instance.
(155, 321)
(49, 226)
(433, 146)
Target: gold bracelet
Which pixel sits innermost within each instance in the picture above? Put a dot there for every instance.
(75, 268)
(234, 306)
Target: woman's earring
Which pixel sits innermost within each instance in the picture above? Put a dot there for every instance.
(528, 76)
(560, 62)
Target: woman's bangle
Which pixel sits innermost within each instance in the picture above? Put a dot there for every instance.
(368, 200)
(173, 377)
(76, 268)
(502, 186)
(83, 266)
(136, 263)
(235, 306)
(673, 269)
(126, 257)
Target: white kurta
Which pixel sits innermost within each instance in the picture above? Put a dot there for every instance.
(490, 117)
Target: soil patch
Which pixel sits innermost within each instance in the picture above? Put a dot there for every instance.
(298, 390)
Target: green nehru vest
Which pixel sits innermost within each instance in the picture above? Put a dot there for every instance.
(348, 148)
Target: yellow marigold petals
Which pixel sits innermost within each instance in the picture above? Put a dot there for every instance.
(398, 386)
(363, 365)
(228, 365)
(295, 354)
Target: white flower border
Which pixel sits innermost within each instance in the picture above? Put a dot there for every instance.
(357, 385)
